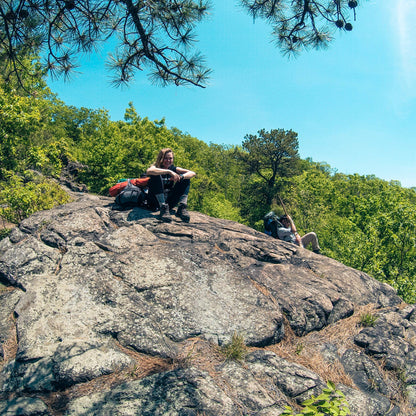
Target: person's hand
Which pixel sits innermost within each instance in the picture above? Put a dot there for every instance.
(174, 176)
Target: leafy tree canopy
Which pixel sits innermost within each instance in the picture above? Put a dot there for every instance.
(154, 35)
(270, 154)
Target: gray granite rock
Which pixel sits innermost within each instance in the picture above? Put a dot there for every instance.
(92, 287)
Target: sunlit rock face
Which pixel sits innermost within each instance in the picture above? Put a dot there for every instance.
(93, 293)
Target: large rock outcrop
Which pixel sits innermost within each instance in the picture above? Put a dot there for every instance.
(112, 312)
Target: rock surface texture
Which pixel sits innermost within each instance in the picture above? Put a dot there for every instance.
(109, 312)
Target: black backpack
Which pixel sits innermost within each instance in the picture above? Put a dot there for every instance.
(271, 224)
(131, 196)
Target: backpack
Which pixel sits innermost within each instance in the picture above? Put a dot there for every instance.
(271, 224)
(131, 196)
(122, 183)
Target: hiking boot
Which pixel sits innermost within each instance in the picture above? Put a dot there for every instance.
(183, 213)
(165, 213)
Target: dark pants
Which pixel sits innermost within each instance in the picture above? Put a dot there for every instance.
(175, 193)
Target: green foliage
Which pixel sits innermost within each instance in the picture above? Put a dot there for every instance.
(330, 402)
(268, 155)
(20, 198)
(368, 319)
(361, 221)
(300, 25)
(236, 349)
(18, 118)
(28, 82)
(4, 232)
(49, 158)
(157, 36)
(216, 205)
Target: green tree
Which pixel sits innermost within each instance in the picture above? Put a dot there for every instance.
(156, 35)
(29, 136)
(18, 118)
(30, 148)
(269, 155)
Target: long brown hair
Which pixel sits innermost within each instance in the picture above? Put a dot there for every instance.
(161, 156)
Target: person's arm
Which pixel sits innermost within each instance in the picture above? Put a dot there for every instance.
(154, 171)
(186, 173)
(295, 231)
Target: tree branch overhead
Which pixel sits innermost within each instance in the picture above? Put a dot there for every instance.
(156, 36)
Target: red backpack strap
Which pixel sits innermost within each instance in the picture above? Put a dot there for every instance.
(142, 182)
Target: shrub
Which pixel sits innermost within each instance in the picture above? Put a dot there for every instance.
(48, 159)
(329, 402)
(368, 319)
(216, 205)
(236, 349)
(4, 232)
(19, 199)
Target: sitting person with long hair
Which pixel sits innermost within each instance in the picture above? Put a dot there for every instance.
(170, 185)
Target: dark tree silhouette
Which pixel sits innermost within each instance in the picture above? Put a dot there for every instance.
(152, 35)
(303, 24)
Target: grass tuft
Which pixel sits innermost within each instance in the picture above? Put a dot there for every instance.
(368, 319)
(236, 349)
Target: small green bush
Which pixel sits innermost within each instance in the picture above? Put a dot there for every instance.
(4, 232)
(236, 349)
(299, 348)
(330, 402)
(368, 319)
(20, 199)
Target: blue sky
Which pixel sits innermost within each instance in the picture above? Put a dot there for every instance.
(353, 105)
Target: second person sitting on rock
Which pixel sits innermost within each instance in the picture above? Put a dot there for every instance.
(288, 232)
(170, 185)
